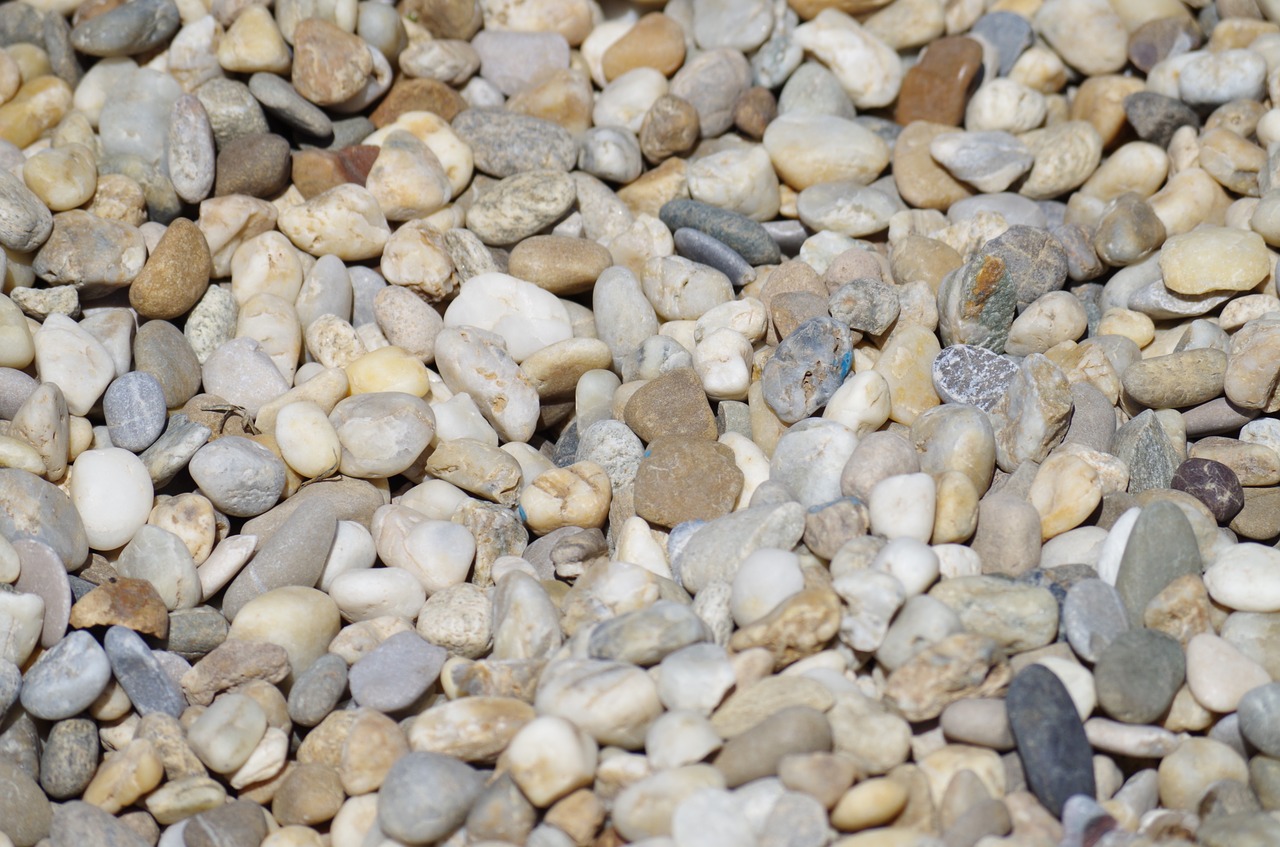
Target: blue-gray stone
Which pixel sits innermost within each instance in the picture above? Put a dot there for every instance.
(867, 305)
(977, 303)
(646, 636)
(140, 675)
(241, 477)
(1093, 615)
(126, 30)
(1033, 259)
(1056, 755)
(317, 691)
(697, 246)
(80, 824)
(35, 509)
(24, 810)
(1009, 33)
(426, 796)
(396, 673)
(747, 237)
(808, 367)
(134, 408)
(67, 679)
(789, 235)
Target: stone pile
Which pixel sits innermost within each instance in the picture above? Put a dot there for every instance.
(719, 422)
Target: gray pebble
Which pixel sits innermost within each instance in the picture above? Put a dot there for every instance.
(790, 236)
(1145, 447)
(241, 477)
(233, 111)
(921, 622)
(20, 22)
(134, 408)
(173, 450)
(66, 679)
(193, 633)
(507, 143)
(162, 559)
(867, 305)
(809, 459)
(656, 355)
(350, 131)
(426, 796)
(712, 82)
(521, 205)
(645, 637)
(807, 368)
(697, 246)
(610, 153)
(1138, 675)
(1093, 615)
(70, 758)
(25, 222)
(42, 573)
(1010, 34)
(748, 238)
(813, 89)
(397, 672)
(24, 809)
(140, 675)
(10, 685)
(15, 388)
(33, 508)
(1155, 117)
(191, 153)
(294, 554)
(163, 203)
(1082, 260)
(84, 825)
(714, 550)
(283, 101)
(513, 60)
(612, 445)
(317, 691)
(971, 375)
(128, 29)
(1161, 547)
(1258, 712)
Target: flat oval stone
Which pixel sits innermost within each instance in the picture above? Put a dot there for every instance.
(43, 574)
(135, 411)
(67, 678)
(140, 674)
(507, 143)
(33, 508)
(1213, 484)
(1161, 547)
(749, 239)
(241, 477)
(128, 29)
(1138, 675)
(1093, 615)
(647, 636)
(397, 672)
(294, 554)
(1051, 742)
(426, 796)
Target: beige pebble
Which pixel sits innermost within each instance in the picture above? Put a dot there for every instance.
(124, 777)
(1214, 258)
(874, 802)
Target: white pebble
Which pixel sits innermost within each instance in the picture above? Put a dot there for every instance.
(764, 579)
(902, 506)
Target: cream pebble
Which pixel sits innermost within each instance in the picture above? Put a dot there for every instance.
(308, 442)
(902, 506)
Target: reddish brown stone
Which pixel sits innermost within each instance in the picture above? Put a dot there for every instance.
(1157, 40)
(132, 603)
(417, 95)
(316, 171)
(937, 89)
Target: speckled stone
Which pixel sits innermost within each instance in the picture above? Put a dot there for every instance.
(135, 411)
(748, 238)
(1213, 484)
(807, 368)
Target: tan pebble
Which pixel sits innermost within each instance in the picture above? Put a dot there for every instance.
(310, 794)
(253, 44)
(874, 802)
(329, 65)
(1100, 101)
(124, 777)
(39, 104)
(921, 181)
(560, 264)
(373, 744)
(63, 177)
(388, 369)
(656, 41)
(182, 798)
(563, 96)
(1065, 492)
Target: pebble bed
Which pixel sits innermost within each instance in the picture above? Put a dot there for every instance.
(719, 423)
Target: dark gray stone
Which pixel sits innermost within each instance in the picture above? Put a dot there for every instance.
(1056, 755)
(140, 675)
(283, 101)
(748, 238)
(241, 822)
(1213, 484)
(1155, 117)
(70, 758)
(1138, 675)
(697, 246)
(193, 633)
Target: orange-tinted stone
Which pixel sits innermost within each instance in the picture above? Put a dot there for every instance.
(937, 89)
(656, 41)
(417, 95)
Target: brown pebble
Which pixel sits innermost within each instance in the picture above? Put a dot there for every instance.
(132, 603)
(684, 479)
(937, 88)
(754, 111)
(670, 128)
(656, 41)
(310, 794)
(257, 165)
(672, 404)
(329, 65)
(418, 95)
(1159, 39)
(176, 274)
(558, 263)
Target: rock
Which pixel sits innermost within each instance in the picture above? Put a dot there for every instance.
(686, 479)
(938, 87)
(66, 678)
(492, 135)
(426, 796)
(1161, 547)
(520, 206)
(1138, 674)
(1051, 742)
(27, 813)
(396, 673)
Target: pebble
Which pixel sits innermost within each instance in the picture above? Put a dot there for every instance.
(1138, 674)
(425, 796)
(67, 678)
(1050, 738)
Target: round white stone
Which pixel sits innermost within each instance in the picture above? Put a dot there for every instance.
(112, 491)
(764, 579)
(902, 506)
